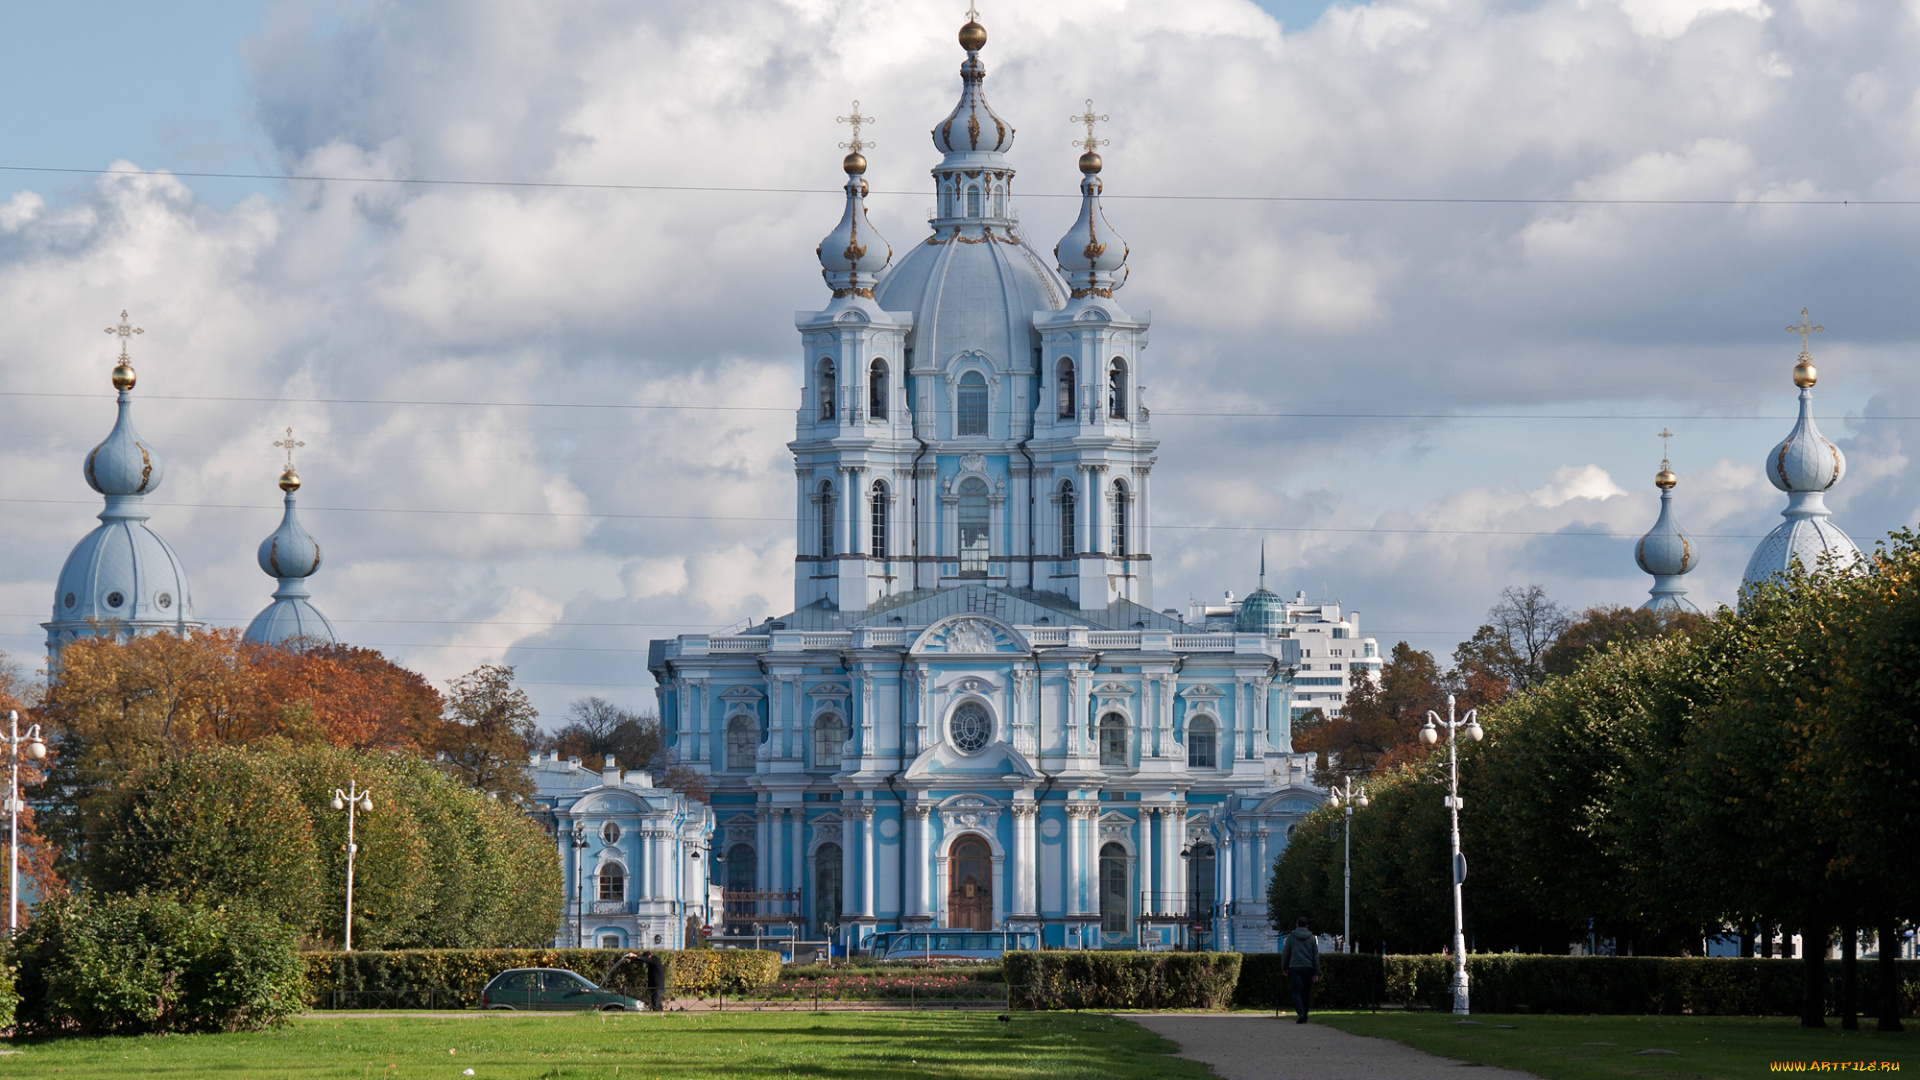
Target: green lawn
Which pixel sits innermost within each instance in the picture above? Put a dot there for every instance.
(854, 1046)
(1597, 1047)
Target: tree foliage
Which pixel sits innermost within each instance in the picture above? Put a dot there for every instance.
(597, 729)
(489, 728)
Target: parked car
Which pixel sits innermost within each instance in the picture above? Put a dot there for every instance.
(552, 988)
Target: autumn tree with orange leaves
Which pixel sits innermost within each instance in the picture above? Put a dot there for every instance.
(38, 879)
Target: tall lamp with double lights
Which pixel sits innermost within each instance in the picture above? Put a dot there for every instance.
(1348, 797)
(36, 751)
(1468, 725)
(352, 800)
(580, 845)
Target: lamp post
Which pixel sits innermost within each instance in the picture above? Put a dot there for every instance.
(352, 800)
(580, 845)
(37, 751)
(1468, 725)
(1349, 798)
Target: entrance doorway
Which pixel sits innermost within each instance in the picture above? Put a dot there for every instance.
(970, 885)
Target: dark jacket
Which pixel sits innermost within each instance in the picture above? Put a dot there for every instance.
(1301, 951)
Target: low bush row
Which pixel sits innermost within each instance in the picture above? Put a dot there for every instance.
(1609, 985)
(1121, 980)
(420, 978)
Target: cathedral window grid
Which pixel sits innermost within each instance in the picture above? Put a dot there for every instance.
(1120, 505)
(743, 742)
(1068, 502)
(975, 522)
(972, 406)
(829, 740)
(613, 882)
(1113, 739)
(1065, 390)
(879, 501)
(1202, 742)
(1117, 389)
(878, 390)
(825, 501)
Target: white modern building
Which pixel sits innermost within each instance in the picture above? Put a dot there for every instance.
(975, 717)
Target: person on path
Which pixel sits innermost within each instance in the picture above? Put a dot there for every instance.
(656, 980)
(1300, 956)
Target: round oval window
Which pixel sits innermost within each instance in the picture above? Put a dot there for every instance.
(971, 728)
(610, 832)
(71, 600)
(165, 600)
(114, 599)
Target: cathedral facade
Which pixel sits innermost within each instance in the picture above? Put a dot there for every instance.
(975, 717)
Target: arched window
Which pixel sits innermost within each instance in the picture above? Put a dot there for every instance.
(1113, 739)
(613, 882)
(829, 735)
(826, 519)
(1200, 743)
(877, 517)
(826, 887)
(1117, 389)
(743, 740)
(1113, 889)
(1068, 509)
(742, 868)
(877, 390)
(973, 526)
(1066, 389)
(973, 200)
(827, 389)
(972, 419)
(1119, 548)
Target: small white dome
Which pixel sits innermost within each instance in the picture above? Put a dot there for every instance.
(1805, 460)
(291, 552)
(854, 253)
(123, 464)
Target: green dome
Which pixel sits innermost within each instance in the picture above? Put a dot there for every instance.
(1262, 612)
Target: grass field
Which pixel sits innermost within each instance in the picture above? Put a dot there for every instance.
(1605, 1047)
(844, 1046)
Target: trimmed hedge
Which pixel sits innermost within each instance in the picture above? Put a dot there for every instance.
(421, 978)
(9, 995)
(1072, 979)
(1609, 985)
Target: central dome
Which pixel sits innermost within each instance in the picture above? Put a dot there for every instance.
(973, 293)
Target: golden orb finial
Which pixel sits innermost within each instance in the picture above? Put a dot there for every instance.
(1665, 480)
(855, 163)
(1090, 163)
(973, 36)
(123, 376)
(1804, 373)
(289, 480)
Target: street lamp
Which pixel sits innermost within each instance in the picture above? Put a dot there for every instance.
(36, 750)
(1350, 798)
(580, 844)
(1468, 725)
(352, 800)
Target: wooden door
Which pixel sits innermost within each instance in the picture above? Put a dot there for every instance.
(970, 885)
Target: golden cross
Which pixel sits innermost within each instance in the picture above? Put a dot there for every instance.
(972, 15)
(289, 443)
(856, 120)
(1089, 118)
(1664, 436)
(1805, 328)
(123, 332)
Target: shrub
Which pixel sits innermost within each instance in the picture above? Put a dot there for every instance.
(153, 963)
(1120, 980)
(9, 995)
(419, 978)
(1346, 981)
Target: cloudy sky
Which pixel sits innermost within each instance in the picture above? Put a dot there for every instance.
(545, 424)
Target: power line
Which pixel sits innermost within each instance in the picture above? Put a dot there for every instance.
(570, 515)
(1415, 200)
(1203, 413)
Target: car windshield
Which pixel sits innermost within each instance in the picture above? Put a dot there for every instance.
(567, 980)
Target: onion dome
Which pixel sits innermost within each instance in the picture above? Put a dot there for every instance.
(1805, 466)
(854, 253)
(973, 126)
(1263, 611)
(291, 555)
(1092, 256)
(121, 575)
(1666, 551)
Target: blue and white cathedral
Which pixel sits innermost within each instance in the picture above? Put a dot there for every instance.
(975, 717)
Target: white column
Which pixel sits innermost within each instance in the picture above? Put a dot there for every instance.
(915, 822)
(1175, 875)
(1145, 848)
(1076, 865)
(999, 890)
(796, 849)
(866, 862)
(663, 860)
(1026, 863)
(763, 850)
(847, 866)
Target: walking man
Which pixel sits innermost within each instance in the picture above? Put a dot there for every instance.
(1300, 956)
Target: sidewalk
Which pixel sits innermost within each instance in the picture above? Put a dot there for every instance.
(1250, 1046)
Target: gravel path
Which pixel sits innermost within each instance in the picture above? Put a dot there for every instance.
(1252, 1046)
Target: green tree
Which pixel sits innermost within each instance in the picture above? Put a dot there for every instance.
(489, 727)
(1380, 723)
(1598, 627)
